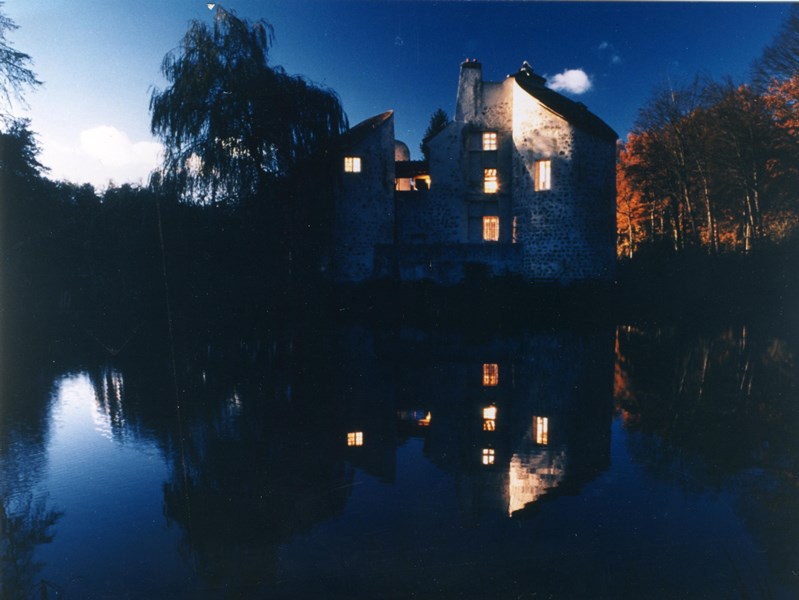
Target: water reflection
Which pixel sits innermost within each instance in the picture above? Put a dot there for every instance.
(372, 454)
(719, 413)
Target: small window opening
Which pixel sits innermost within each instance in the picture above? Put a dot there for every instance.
(491, 229)
(543, 175)
(490, 181)
(352, 164)
(490, 140)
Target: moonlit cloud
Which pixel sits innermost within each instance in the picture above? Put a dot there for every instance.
(99, 155)
(573, 81)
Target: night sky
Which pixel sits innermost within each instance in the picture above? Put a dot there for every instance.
(100, 59)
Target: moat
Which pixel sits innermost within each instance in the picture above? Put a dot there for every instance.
(614, 461)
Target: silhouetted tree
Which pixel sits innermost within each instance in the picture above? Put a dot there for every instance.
(438, 121)
(232, 125)
(18, 154)
(15, 66)
(780, 59)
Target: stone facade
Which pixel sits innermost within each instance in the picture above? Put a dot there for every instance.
(521, 182)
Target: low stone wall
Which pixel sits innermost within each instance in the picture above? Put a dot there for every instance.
(446, 263)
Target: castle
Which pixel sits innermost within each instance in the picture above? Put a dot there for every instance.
(521, 182)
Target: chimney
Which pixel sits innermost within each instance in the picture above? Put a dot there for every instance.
(470, 91)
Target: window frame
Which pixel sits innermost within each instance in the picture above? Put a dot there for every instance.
(543, 175)
(353, 164)
(490, 141)
(490, 181)
(491, 227)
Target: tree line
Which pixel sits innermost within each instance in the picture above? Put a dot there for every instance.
(241, 206)
(715, 165)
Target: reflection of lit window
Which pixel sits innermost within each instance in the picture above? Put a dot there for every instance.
(490, 182)
(490, 140)
(489, 418)
(352, 164)
(488, 456)
(426, 421)
(541, 426)
(355, 438)
(491, 229)
(543, 175)
(490, 374)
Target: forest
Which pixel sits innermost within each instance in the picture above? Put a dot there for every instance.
(707, 210)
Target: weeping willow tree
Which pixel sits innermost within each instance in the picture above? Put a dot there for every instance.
(244, 135)
(233, 125)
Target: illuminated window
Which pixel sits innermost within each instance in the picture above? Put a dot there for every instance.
(352, 164)
(490, 418)
(541, 427)
(490, 140)
(488, 456)
(490, 182)
(491, 229)
(490, 374)
(426, 421)
(543, 175)
(355, 438)
(515, 229)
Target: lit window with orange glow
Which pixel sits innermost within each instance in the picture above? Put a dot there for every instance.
(490, 229)
(488, 456)
(490, 374)
(541, 428)
(490, 140)
(490, 418)
(355, 438)
(426, 421)
(490, 181)
(352, 164)
(543, 175)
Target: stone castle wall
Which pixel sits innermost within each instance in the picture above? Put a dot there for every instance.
(365, 204)
(566, 231)
(564, 234)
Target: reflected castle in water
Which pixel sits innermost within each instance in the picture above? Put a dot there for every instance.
(516, 420)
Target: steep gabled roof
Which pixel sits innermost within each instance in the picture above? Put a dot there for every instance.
(355, 134)
(574, 112)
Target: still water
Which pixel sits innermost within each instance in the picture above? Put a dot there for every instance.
(619, 462)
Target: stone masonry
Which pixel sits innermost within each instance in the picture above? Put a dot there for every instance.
(521, 182)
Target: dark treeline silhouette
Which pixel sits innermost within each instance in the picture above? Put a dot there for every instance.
(238, 215)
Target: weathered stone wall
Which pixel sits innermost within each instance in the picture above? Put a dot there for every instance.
(442, 215)
(365, 204)
(566, 231)
(563, 234)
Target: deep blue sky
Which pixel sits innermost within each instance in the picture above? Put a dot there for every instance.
(99, 59)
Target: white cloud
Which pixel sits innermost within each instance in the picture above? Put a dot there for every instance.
(99, 155)
(573, 81)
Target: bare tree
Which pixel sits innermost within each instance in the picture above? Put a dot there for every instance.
(16, 73)
(780, 59)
